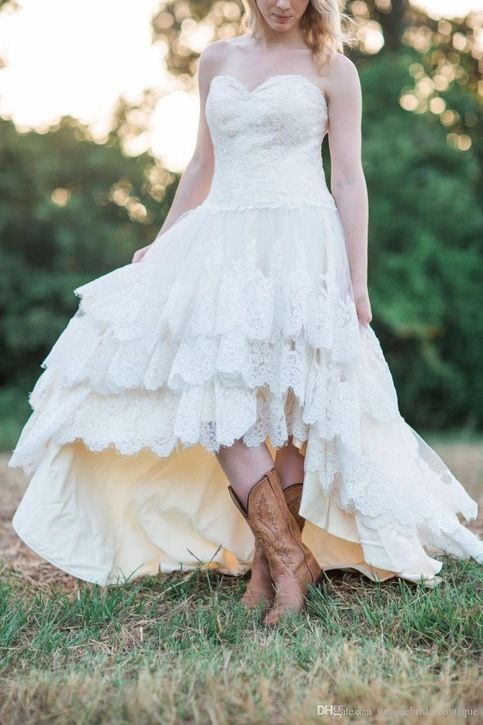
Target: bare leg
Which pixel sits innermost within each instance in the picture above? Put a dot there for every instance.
(289, 463)
(283, 567)
(244, 466)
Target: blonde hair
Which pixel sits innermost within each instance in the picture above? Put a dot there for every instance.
(321, 25)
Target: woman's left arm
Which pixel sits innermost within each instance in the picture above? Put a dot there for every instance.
(347, 180)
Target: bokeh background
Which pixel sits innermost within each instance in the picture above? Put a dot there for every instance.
(98, 116)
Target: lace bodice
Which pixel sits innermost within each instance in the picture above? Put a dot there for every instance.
(267, 143)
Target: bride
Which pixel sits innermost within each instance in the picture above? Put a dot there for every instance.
(223, 398)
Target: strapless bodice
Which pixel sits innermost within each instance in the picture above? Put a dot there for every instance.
(267, 143)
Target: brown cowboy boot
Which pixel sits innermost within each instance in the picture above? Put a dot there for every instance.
(293, 496)
(260, 585)
(292, 565)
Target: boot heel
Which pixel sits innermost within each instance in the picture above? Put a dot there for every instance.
(319, 579)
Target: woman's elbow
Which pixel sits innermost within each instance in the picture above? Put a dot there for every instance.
(201, 163)
(347, 177)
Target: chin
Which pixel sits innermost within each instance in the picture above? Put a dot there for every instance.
(281, 27)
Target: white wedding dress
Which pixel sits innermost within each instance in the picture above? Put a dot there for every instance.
(239, 322)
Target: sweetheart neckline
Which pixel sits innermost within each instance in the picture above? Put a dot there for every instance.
(252, 91)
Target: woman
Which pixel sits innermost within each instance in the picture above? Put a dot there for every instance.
(243, 330)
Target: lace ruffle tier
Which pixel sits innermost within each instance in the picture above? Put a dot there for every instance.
(252, 336)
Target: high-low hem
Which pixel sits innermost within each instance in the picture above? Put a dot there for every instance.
(239, 323)
(108, 519)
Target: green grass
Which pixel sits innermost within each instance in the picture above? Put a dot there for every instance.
(181, 649)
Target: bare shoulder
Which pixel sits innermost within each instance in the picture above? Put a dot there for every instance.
(342, 76)
(212, 56)
(215, 55)
(211, 59)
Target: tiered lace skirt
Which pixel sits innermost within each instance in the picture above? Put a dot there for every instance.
(238, 323)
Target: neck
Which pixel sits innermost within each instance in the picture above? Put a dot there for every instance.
(268, 38)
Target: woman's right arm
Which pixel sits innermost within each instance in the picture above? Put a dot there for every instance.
(195, 181)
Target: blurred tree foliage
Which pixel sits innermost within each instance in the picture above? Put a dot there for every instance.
(425, 251)
(72, 209)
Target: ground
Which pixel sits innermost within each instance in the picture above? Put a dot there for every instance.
(181, 649)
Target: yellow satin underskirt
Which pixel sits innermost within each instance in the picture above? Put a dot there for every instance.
(105, 517)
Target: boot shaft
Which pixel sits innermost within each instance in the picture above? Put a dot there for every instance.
(293, 496)
(276, 529)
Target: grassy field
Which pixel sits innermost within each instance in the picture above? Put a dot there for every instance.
(181, 649)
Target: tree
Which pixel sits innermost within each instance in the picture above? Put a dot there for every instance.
(70, 210)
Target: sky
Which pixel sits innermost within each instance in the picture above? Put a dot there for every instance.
(70, 57)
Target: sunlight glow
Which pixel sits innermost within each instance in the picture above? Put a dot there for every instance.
(448, 8)
(175, 117)
(65, 57)
(370, 37)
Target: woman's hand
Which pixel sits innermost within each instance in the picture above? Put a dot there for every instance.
(139, 254)
(363, 305)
